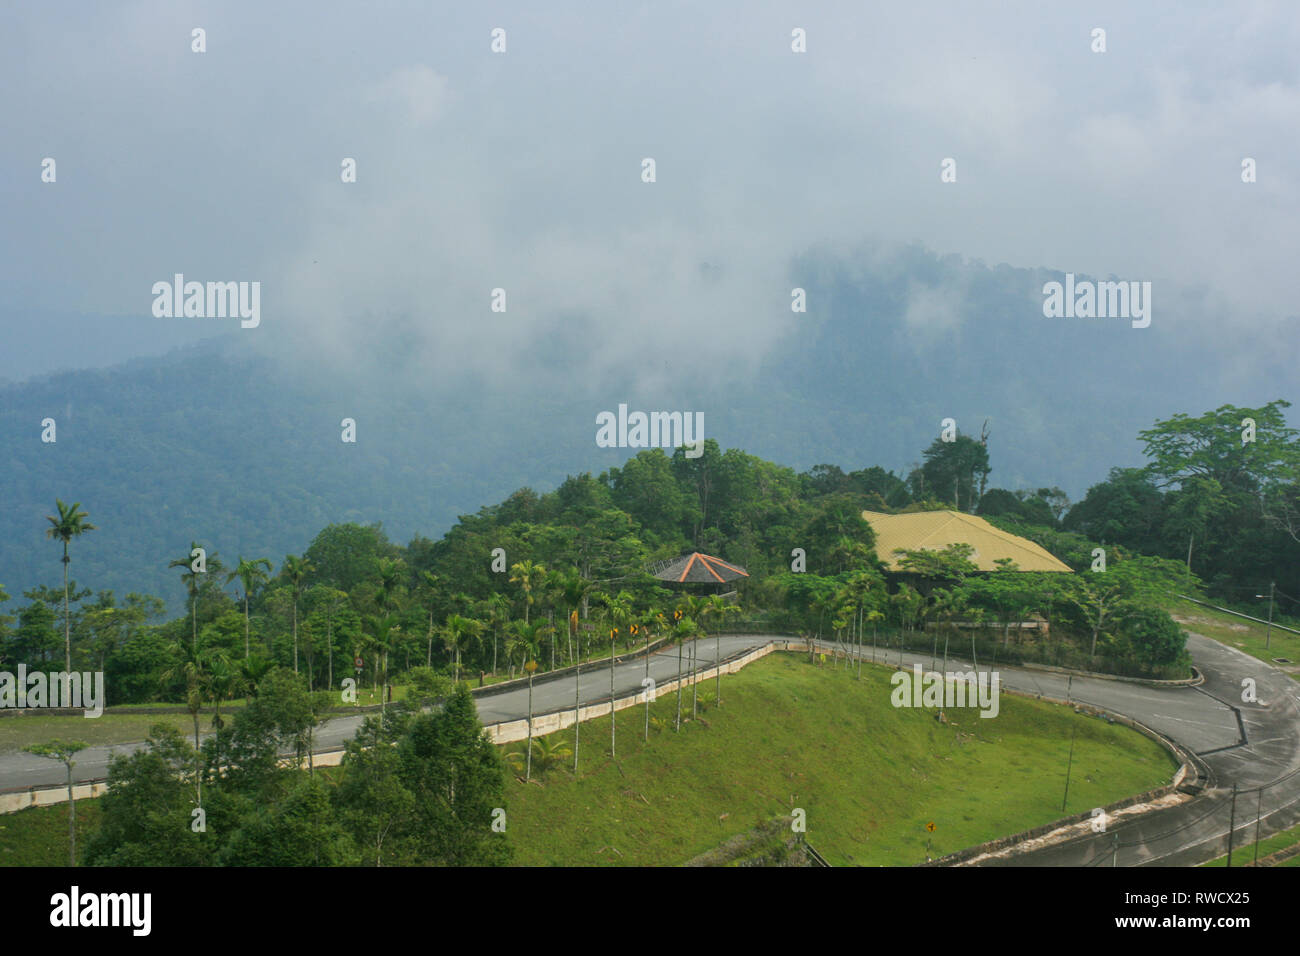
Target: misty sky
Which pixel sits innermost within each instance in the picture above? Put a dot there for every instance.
(522, 170)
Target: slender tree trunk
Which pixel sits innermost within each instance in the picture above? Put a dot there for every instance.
(72, 821)
(577, 710)
(428, 662)
(216, 721)
(198, 761)
(717, 666)
(67, 620)
(647, 686)
(295, 633)
(858, 648)
(528, 774)
(695, 677)
(679, 683)
(329, 644)
(613, 725)
(247, 650)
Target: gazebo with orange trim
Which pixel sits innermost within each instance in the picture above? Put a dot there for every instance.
(697, 568)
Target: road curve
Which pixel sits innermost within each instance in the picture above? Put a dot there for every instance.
(1248, 744)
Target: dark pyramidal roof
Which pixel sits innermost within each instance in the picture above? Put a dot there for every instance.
(697, 568)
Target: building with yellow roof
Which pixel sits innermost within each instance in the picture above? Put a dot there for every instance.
(936, 530)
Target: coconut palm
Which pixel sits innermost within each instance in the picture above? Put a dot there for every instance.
(70, 523)
(250, 574)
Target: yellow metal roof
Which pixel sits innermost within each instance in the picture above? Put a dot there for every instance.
(935, 530)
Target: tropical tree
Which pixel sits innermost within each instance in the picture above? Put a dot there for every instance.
(224, 681)
(331, 600)
(429, 590)
(295, 571)
(191, 666)
(190, 575)
(64, 751)
(460, 633)
(574, 591)
(70, 523)
(250, 575)
(717, 609)
(529, 576)
(545, 754)
(384, 631)
(389, 586)
(496, 612)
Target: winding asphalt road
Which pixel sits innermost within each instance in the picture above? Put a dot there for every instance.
(1247, 744)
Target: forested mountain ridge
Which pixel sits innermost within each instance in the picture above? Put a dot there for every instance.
(221, 443)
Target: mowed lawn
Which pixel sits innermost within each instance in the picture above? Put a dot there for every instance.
(795, 735)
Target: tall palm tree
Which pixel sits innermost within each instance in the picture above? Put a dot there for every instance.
(191, 579)
(250, 574)
(295, 571)
(529, 576)
(460, 633)
(682, 629)
(71, 523)
(496, 611)
(224, 680)
(524, 640)
(384, 631)
(574, 590)
(620, 610)
(428, 588)
(390, 583)
(718, 609)
(695, 611)
(333, 599)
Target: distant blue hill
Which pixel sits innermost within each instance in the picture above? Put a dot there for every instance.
(217, 444)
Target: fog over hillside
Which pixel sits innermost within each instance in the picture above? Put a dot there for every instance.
(842, 244)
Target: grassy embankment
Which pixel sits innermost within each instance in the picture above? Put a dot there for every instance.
(791, 734)
(795, 735)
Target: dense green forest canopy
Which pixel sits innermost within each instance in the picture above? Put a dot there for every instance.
(1212, 510)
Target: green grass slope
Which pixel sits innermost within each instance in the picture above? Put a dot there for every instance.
(792, 735)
